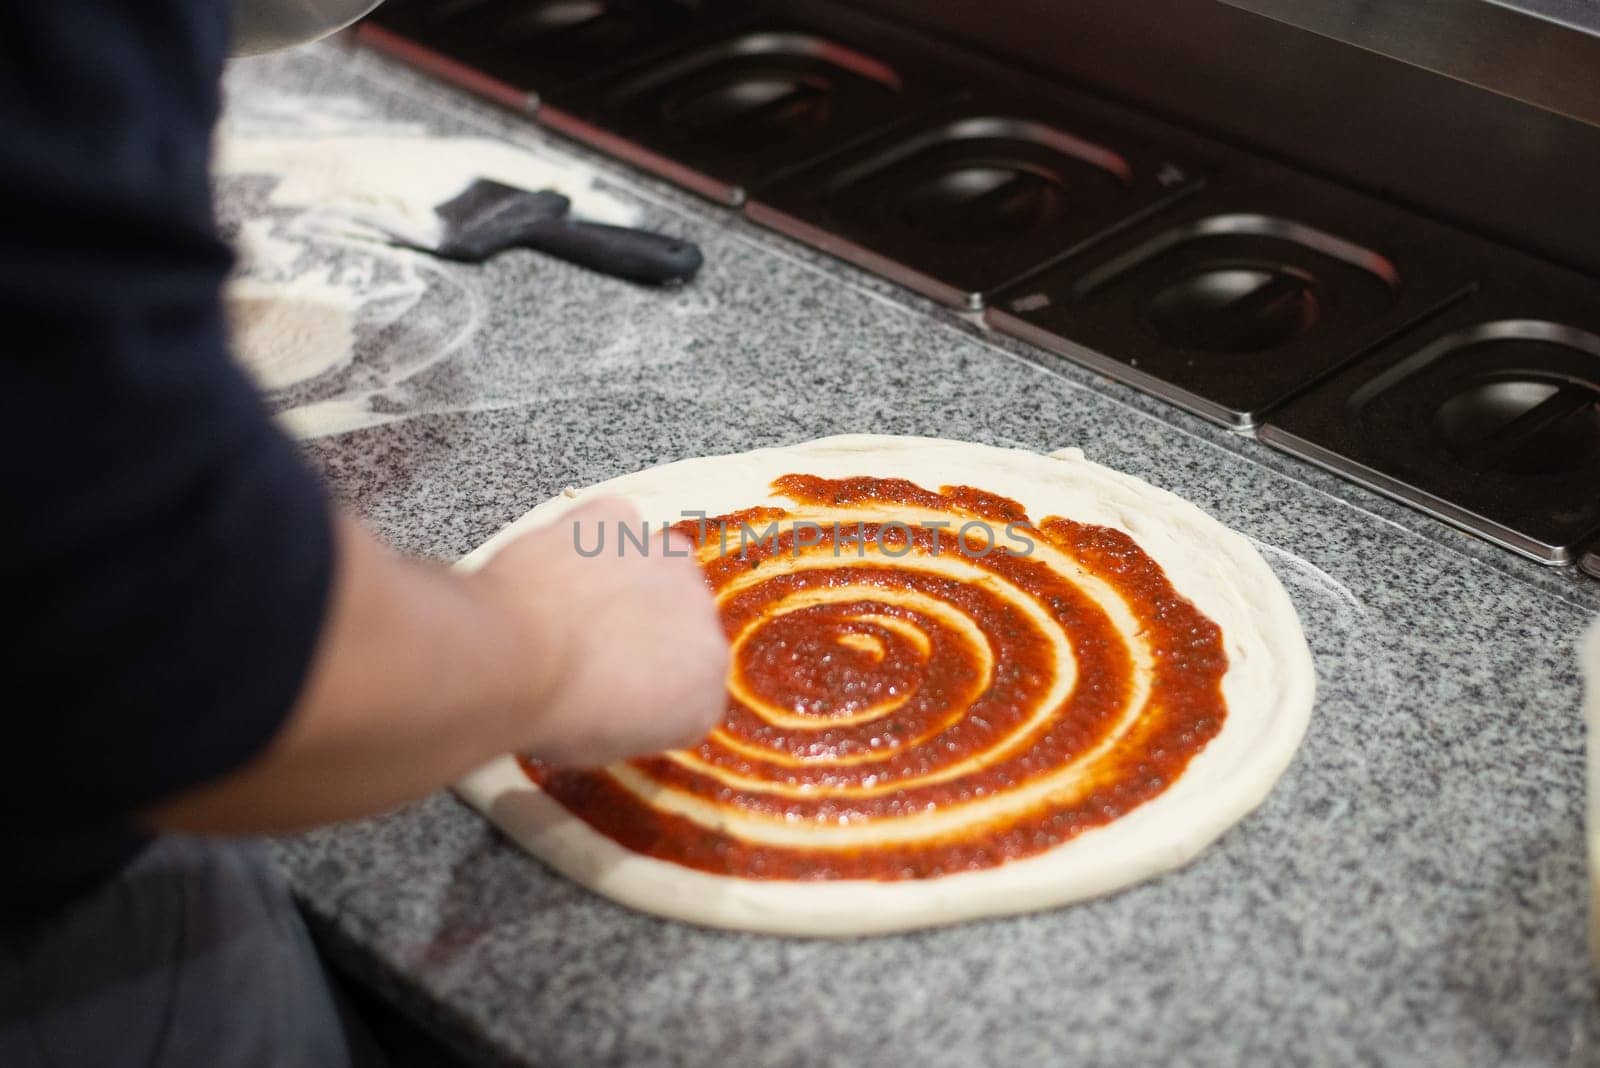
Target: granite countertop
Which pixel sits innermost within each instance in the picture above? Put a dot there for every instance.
(1414, 890)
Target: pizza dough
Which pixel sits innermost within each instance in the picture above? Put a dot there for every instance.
(317, 278)
(394, 181)
(288, 332)
(1145, 675)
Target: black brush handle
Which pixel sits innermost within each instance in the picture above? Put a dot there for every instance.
(637, 255)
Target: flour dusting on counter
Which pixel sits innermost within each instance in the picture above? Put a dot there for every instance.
(1589, 670)
(394, 182)
(324, 312)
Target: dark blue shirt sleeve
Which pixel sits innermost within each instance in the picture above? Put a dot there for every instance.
(167, 553)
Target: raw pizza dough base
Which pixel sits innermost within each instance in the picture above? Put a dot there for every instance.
(286, 333)
(1269, 688)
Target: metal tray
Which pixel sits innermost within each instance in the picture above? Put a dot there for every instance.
(537, 49)
(1488, 417)
(1405, 355)
(1242, 296)
(978, 193)
(732, 111)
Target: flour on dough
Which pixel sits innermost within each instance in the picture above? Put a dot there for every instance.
(286, 333)
(395, 182)
(292, 316)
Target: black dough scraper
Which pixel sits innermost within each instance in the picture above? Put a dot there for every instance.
(489, 217)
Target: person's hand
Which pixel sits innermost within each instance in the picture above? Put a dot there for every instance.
(635, 660)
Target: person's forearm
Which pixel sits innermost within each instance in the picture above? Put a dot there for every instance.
(417, 678)
(422, 673)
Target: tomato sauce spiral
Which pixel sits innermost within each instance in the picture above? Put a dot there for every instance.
(923, 683)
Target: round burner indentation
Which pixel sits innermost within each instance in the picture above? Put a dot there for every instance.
(781, 101)
(1235, 308)
(1524, 423)
(558, 15)
(979, 201)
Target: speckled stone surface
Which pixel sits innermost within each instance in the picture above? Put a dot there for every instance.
(1414, 890)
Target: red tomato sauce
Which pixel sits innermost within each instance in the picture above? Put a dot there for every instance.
(827, 664)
